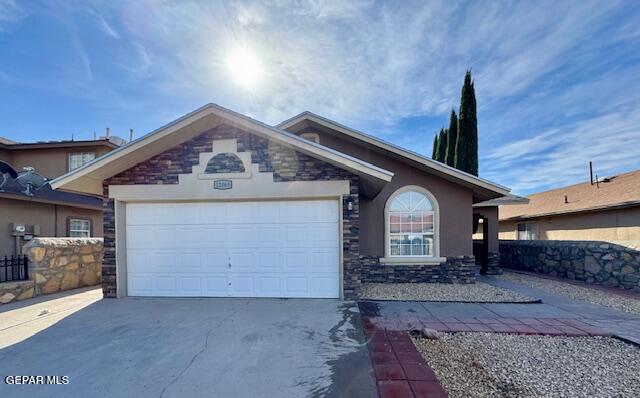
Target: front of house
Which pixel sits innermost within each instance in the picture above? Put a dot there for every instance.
(217, 204)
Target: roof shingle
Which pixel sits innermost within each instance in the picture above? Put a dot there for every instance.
(620, 190)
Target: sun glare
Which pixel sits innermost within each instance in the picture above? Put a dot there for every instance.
(245, 68)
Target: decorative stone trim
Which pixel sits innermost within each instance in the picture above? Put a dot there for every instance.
(596, 262)
(459, 269)
(284, 163)
(493, 264)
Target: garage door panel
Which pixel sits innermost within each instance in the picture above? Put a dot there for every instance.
(216, 261)
(216, 286)
(276, 249)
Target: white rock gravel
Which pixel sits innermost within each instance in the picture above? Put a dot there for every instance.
(502, 365)
(594, 296)
(478, 292)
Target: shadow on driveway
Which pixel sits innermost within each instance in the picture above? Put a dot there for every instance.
(162, 347)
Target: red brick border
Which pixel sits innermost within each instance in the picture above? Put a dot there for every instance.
(400, 370)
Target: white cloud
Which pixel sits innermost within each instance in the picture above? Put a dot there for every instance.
(561, 156)
(10, 13)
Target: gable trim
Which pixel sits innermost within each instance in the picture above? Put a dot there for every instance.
(84, 179)
(369, 139)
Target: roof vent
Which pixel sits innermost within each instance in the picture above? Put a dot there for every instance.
(566, 199)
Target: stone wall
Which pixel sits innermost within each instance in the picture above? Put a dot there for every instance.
(460, 269)
(55, 265)
(597, 262)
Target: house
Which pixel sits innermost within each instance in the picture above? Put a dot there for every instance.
(605, 210)
(47, 212)
(219, 204)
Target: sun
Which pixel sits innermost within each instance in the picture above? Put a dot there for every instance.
(245, 67)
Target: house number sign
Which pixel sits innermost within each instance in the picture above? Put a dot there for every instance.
(222, 184)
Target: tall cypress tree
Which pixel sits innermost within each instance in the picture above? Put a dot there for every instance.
(452, 139)
(442, 145)
(434, 154)
(466, 158)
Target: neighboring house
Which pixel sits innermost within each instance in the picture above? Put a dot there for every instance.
(219, 204)
(607, 210)
(48, 213)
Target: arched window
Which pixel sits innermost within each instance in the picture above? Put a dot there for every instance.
(411, 223)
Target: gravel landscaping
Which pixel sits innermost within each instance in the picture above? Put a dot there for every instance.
(503, 365)
(478, 292)
(594, 296)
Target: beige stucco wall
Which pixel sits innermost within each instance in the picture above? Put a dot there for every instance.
(455, 201)
(51, 218)
(491, 213)
(50, 162)
(612, 226)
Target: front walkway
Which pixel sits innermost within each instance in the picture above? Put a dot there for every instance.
(619, 323)
(555, 315)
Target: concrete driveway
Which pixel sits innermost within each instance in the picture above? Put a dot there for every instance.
(159, 347)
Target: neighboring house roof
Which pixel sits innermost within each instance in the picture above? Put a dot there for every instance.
(509, 199)
(88, 178)
(13, 145)
(7, 141)
(13, 190)
(614, 192)
(429, 163)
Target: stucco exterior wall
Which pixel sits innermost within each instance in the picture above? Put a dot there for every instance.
(50, 162)
(491, 213)
(455, 201)
(51, 218)
(286, 165)
(611, 226)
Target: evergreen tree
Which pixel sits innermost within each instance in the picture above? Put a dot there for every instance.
(452, 139)
(466, 157)
(434, 154)
(442, 145)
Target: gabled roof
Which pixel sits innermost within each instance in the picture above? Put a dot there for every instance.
(613, 192)
(88, 178)
(429, 163)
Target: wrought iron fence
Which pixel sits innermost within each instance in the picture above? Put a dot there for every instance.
(14, 268)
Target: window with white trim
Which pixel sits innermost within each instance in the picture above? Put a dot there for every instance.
(411, 225)
(526, 231)
(79, 228)
(79, 159)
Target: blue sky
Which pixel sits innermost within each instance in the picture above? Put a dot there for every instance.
(557, 83)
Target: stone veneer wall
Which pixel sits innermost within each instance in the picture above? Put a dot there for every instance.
(57, 264)
(493, 260)
(286, 165)
(460, 269)
(597, 262)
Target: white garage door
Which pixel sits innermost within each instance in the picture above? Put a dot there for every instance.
(239, 249)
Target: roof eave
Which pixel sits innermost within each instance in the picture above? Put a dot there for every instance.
(350, 163)
(435, 165)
